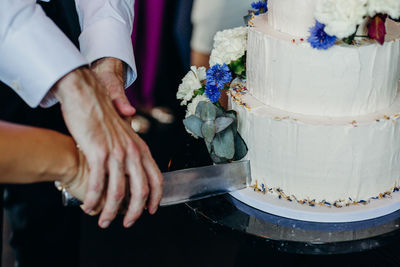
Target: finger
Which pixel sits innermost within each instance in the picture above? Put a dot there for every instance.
(123, 106)
(93, 212)
(115, 189)
(138, 187)
(97, 209)
(95, 183)
(155, 180)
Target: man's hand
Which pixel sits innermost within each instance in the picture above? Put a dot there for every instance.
(111, 74)
(110, 147)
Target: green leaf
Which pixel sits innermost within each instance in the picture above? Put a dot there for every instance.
(199, 91)
(220, 111)
(217, 159)
(209, 146)
(199, 108)
(208, 130)
(224, 145)
(240, 148)
(194, 123)
(232, 114)
(208, 112)
(238, 66)
(222, 123)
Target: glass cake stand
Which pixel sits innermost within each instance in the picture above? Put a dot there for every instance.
(293, 236)
(225, 213)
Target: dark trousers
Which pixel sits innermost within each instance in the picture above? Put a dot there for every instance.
(44, 233)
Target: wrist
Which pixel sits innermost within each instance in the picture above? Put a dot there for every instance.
(110, 65)
(71, 84)
(70, 168)
(74, 182)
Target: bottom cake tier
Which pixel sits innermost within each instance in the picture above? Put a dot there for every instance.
(320, 160)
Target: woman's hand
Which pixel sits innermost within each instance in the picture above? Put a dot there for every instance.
(78, 182)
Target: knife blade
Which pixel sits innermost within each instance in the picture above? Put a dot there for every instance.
(195, 183)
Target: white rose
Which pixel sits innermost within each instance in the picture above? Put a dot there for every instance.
(341, 17)
(229, 45)
(190, 83)
(390, 7)
(191, 108)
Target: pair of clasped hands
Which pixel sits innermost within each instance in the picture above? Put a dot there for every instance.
(113, 163)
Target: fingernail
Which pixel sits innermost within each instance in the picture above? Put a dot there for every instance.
(88, 211)
(92, 213)
(153, 211)
(105, 224)
(129, 224)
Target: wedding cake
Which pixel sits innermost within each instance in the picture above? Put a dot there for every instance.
(314, 86)
(321, 125)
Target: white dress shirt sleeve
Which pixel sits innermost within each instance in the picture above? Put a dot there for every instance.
(211, 16)
(106, 31)
(34, 53)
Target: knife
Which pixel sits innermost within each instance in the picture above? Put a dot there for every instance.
(196, 183)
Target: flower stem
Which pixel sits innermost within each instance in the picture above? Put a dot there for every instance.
(349, 40)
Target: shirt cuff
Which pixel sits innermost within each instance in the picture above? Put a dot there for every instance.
(109, 38)
(35, 56)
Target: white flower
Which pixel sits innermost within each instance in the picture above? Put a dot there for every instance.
(191, 109)
(229, 45)
(341, 17)
(190, 83)
(390, 7)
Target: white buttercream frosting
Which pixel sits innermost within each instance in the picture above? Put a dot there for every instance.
(294, 17)
(286, 73)
(322, 158)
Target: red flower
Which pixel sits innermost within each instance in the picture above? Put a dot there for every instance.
(377, 29)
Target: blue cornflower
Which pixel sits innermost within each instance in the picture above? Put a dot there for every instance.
(260, 6)
(218, 75)
(212, 92)
(319, 39)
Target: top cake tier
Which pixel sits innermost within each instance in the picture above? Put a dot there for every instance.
(285, 72)
(294, 17)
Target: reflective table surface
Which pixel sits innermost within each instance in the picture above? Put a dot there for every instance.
(292, 236)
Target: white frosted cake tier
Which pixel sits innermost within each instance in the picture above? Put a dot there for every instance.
(296, 17)
(286, 73)
(333, 160)
(292, 16)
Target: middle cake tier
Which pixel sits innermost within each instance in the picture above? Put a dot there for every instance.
(286, 73)
(319, 158)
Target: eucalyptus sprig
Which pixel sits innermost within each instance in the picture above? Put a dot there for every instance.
(218, 128)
